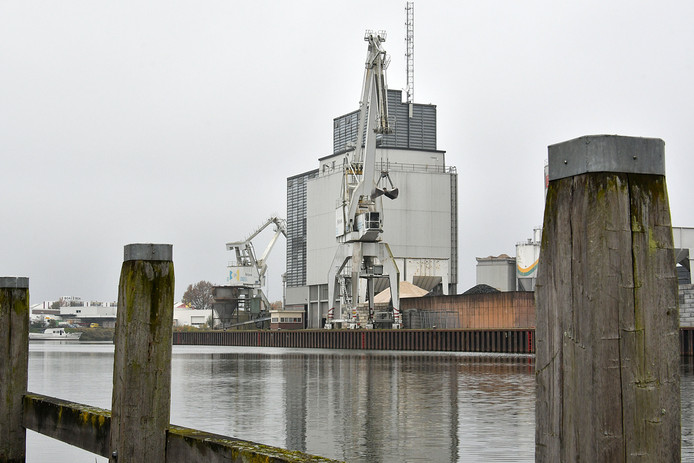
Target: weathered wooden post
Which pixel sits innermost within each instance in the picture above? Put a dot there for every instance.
(142, 363)
(607, 369)
(14, 363)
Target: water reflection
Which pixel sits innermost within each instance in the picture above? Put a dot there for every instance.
(296, 374)
(356, 406)
(365, 406)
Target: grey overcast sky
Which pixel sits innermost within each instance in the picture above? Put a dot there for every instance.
(179, 121)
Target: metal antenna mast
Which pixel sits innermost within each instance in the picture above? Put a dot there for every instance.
(409, 47)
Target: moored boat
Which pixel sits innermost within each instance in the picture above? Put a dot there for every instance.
(55, 334)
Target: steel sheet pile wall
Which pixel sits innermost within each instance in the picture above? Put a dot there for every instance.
(501, 341)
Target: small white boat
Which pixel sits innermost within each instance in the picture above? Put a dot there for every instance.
(55, 334)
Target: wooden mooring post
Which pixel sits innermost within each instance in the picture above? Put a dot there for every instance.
(140, 410)
(14, 363)
(607, 346)
(137, 428)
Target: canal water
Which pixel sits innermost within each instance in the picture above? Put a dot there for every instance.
(357, 406)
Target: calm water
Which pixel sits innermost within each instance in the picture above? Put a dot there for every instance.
(356, 406)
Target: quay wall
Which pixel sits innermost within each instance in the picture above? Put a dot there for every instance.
(513, 341)
(495, 322)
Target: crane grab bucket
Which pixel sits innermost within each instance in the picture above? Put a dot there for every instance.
(390, 194)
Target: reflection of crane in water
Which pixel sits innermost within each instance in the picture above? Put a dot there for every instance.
(246, 280)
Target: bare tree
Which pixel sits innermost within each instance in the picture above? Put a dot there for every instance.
(199, 296)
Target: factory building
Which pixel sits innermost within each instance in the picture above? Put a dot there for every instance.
(420, 226)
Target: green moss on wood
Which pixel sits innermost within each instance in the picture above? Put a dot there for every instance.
(16, 300)
(202, 444)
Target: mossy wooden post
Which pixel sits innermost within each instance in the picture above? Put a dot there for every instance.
(142, 364)
(14, 363)
(607, 369)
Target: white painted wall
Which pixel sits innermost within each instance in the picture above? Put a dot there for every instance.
(416, 225)
(191, 317)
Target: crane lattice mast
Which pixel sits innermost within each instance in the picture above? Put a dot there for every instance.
(409, 50)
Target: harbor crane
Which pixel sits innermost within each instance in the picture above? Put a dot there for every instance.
(359, 215)
(246, 269)
(246, 277)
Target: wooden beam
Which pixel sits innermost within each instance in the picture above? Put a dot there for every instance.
(77, 424)
(88, 428)
(185, 445)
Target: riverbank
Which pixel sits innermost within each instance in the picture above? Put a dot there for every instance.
(95, 334)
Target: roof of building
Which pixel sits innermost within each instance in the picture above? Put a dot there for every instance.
(500, 257)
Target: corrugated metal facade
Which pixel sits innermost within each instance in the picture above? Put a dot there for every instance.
(501, 310)
(296, 228)
(416, 132)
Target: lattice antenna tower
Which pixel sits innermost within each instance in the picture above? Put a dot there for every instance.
(409, 50)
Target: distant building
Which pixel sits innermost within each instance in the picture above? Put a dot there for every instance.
(286, 319)
(42, 312)
(185, 316)
(499, 272)
(74, 310)
(104, 315)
